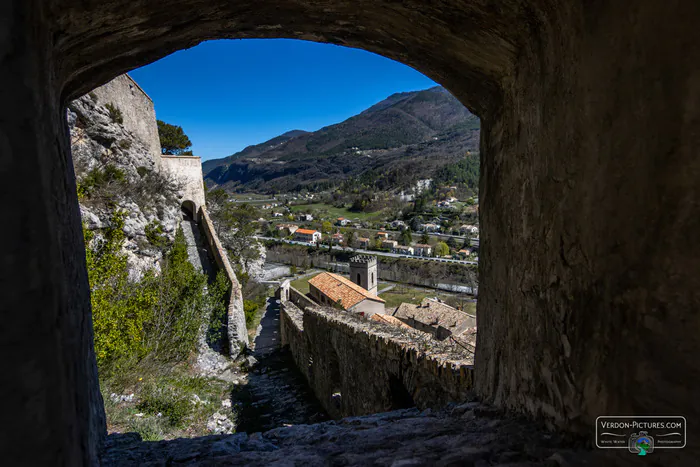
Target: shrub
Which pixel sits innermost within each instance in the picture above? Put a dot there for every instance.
(218, 293)
(142, 171)
(114, 113)
(125, 144)
(149, 428)
(167, 400)
(93, 96)
(155, 235)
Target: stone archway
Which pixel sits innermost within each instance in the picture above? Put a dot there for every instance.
(589, 206)
(189, 208)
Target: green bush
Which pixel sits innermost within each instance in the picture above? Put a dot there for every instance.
(155, 234)
(159, 315)
(167, 400)
(142, 171)
(218, 293)
(125, 144)
(114, 113)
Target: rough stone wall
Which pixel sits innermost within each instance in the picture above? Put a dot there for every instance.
(188, 170)
(589, 197)
(236, 328)
(589, 213)
(137, 109)
(356, 366)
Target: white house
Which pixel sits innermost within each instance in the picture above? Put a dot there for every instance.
(307, 235)
(403, 250)
(468, 229)
(421, 249)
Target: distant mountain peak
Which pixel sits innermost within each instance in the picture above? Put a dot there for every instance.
(428, 125)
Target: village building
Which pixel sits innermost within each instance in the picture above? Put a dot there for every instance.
(337, 238)
(397, 224)
(388, 319)
(403, 250)
(436, 318)
(341, 221)
(289, 228)
(384, 235)
(430, 227)
(421, 249)
(463, 253)
(363, 242)
(334, 290)
(305, 217)
(389, 244)
(468, 229)
(277, 214)
(307, 235)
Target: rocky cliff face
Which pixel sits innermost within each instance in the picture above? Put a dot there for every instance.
(112, 132)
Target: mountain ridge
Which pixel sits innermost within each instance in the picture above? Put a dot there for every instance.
(428, 126)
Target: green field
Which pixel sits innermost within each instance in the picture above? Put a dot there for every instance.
(320, 210)
(302, 284)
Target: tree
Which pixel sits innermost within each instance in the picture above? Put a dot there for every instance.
(173, 140)
(405, 238)
(350, 238)
(326, 227)
(425, 238)
(441, 249)
(452, 243)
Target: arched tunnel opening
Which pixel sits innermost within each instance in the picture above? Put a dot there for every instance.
(189, 209)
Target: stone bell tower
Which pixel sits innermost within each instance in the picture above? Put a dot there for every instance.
(363, 272)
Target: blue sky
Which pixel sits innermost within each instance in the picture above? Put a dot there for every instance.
(230, 94)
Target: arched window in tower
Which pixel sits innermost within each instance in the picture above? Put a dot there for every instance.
(372, 282)
(358, 278)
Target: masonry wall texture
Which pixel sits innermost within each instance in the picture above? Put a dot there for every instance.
(137, 109)
(589, 206)
(188, 170)
(236, 329)
(357, 366)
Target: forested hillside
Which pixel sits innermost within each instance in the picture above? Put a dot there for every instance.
(404, 137)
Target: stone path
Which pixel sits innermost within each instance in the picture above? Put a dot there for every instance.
(470, 435)
(276, 393)
(196, 246)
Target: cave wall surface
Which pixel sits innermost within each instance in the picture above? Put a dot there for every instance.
(589, 292)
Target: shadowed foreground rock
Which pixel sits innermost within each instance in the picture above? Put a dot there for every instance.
(589, 291)
(466, 435)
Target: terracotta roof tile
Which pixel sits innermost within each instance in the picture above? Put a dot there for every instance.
(306, 231)
(388, 319)
(336, 288)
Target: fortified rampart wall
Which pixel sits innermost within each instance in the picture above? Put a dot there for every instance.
(187, 170)
(137, 110)
(236, 328)
(357, 367)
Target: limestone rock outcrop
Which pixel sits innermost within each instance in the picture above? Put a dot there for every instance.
(121, 138)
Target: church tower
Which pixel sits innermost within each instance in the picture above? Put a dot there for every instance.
(363, 272)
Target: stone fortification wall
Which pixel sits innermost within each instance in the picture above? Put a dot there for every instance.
(237, 332)
(357, 367)
(188, 171)
(137, 110)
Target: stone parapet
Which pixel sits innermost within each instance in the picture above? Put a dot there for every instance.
(237, 331)
(357, 367)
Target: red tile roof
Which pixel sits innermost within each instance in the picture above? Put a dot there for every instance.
(388, 319)
(336, 288)
(306, 231)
